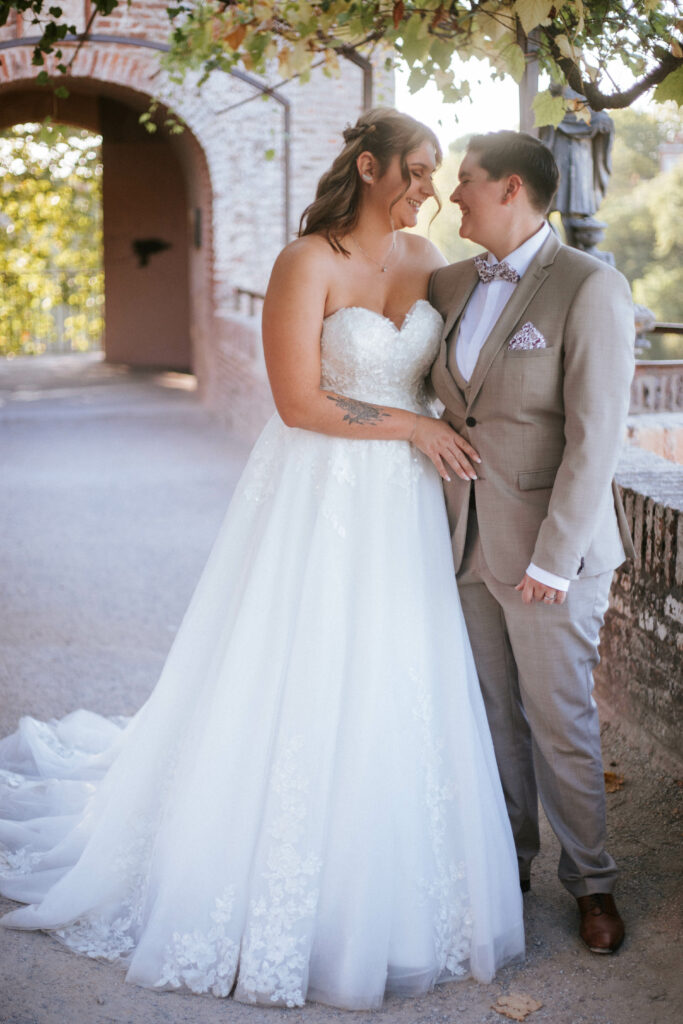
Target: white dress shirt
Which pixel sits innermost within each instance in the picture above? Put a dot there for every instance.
(481, 313)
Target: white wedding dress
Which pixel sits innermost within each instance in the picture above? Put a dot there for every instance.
(307, 806)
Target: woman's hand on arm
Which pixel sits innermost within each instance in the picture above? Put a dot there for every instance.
(293, 314)
(445, 447)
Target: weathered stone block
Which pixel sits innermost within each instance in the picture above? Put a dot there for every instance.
(641, 672)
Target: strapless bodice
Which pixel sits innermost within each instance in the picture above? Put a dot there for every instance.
(365, 356)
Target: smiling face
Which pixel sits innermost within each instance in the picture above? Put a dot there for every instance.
(481, 200)
(390, 190)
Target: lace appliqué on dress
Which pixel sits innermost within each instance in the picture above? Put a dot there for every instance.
(21, 862)
(275, 951)
(363, 356)
(258, 480)
(112, 936)
(101, 936)
(204, 961)
(448, 890)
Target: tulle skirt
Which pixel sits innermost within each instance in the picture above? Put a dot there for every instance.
(307, 806)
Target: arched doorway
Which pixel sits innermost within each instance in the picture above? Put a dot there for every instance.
(239, 207)
(146, 242)
(156, 209)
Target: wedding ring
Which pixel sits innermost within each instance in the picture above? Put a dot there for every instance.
(549, 599)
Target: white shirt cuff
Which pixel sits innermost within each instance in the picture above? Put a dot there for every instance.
(549, 579)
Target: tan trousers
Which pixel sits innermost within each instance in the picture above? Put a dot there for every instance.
(535, 667)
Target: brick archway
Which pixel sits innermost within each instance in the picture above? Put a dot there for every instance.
(111, 73)
(159, 307)
(240, 206)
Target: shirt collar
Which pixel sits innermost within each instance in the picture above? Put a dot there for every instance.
(520, 258)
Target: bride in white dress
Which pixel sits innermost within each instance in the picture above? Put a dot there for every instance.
(307, 806)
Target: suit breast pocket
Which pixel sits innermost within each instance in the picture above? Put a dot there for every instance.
(530, 353)
(539, 377)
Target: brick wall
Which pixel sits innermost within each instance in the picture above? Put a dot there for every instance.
(641, 673)
(237, 390)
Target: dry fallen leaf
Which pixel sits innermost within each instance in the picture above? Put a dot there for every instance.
(516, 1006)
(613, 782)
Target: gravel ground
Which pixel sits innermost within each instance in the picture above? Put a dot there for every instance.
(113, 487)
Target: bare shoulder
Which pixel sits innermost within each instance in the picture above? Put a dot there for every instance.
(309, 252)
(301, 277)
(423, 253)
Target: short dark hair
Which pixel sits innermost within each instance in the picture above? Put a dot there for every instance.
(506, 152)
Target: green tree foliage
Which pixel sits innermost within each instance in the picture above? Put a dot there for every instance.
(644, 210)
(50, 239)
(574, 41)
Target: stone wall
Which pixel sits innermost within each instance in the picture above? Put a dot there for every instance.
(640, 677)
(660, 433)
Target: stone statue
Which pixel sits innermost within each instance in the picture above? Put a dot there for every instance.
(583, 152)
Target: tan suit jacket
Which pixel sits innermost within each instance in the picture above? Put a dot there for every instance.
(549, 422)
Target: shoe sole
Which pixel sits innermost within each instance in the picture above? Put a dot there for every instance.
(602, 950)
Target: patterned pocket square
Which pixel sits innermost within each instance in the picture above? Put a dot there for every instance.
(527, 337)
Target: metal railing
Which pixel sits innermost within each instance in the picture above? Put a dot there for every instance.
(667, 329)
(649, 347)
(247, 300)
(53, 311)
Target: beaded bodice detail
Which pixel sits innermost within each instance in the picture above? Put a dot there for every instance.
(365, 356)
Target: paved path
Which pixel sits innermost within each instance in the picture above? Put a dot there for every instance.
(112, 487)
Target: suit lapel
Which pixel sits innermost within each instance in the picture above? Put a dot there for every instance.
(462, 292)
(532, 280)
(461, 296)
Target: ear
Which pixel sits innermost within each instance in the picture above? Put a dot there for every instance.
(367, 167)
(512, 187)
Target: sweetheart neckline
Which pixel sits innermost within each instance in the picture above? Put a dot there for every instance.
(387, 319)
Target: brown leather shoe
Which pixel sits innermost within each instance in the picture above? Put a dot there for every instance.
(601, 926)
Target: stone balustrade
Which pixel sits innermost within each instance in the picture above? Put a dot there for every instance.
(640, 677)
(657, 386)
(656, 414)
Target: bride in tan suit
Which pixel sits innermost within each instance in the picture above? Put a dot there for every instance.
(534, 370)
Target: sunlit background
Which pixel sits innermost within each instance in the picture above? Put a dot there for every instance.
(52, 295)
(643, 208)
(51, 213)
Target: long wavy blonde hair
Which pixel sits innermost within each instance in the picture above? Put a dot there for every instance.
(384, 132)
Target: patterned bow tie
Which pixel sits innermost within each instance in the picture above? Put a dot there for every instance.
(492, 271)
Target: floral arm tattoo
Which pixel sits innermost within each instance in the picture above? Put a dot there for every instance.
(359, 412)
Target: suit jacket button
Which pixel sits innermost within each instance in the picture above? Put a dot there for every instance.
(470, 421)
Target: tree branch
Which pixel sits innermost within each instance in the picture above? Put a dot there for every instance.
(599, 100)
(82, 38)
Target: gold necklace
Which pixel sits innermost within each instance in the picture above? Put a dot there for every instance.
(385, 263)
